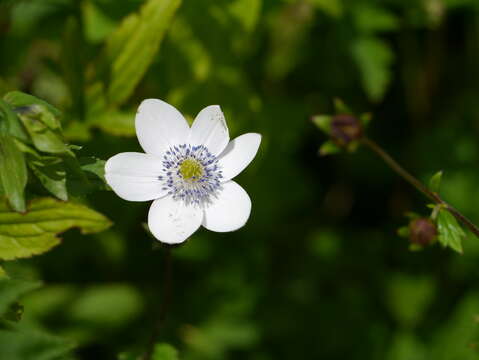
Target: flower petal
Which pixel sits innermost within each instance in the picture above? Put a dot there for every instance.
(171, 221)
(134, 176)
(159, 126)
(229, 211)
(209, 129)
(238, 154)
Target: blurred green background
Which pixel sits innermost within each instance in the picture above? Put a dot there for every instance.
(318, 272)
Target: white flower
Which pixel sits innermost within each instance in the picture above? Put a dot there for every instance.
(186, 171)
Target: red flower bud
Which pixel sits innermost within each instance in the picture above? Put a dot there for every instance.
(345, 129)
(422, 231)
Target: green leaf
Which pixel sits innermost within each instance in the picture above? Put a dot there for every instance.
(457, 336)
(50, 114)
(406, 345)
(331, 7)
(435, 182)
(403, 231)
(165, 352)
(49, 170)
(32, 345)
(11, 290)
(97, 25)
(408, 298)
(329, 148)
(323, 122)
(93, 170)
(15, 312)
(36, 231)
(247, 12)
(51, 173)
(132, 46)
(107, 306)
(371, 18)
(3, 273)
(41, 121)
(115, 122)
(374, 58)
(162, 351)
(9, 122)
(13, 172)
(450, 232)
(341, 108)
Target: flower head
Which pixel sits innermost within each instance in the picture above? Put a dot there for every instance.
(186, 171)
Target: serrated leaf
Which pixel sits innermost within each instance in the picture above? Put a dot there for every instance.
(13, 172)
(374, 58)
(450, 232)
(132, 46)
(33, 233)
(323, 122)
(435, 182)
(12, 289)
(329, 148)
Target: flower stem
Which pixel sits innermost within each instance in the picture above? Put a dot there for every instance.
(433, 196)
(166, 298)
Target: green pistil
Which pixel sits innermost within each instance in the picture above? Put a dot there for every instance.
(191, 169)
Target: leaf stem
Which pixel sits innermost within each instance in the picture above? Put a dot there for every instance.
(166, 298)
(433, 196)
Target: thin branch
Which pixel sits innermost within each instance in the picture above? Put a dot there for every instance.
(394, 165)
(165, 303)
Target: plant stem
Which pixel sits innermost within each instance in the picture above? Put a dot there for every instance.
(166, 298)
(433, 196)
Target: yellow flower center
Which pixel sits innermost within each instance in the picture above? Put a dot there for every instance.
(191, 169)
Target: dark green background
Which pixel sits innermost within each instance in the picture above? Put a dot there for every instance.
(318, 272)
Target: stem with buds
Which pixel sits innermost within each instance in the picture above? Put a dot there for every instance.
(433, 196)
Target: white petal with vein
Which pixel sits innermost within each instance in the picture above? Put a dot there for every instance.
(171, 222)
(159, 126)
(238, 154)
(134, 176)
(230, 210)
(209, 129)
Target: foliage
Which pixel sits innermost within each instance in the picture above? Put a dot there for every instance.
(36, 232)
(317, 273)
